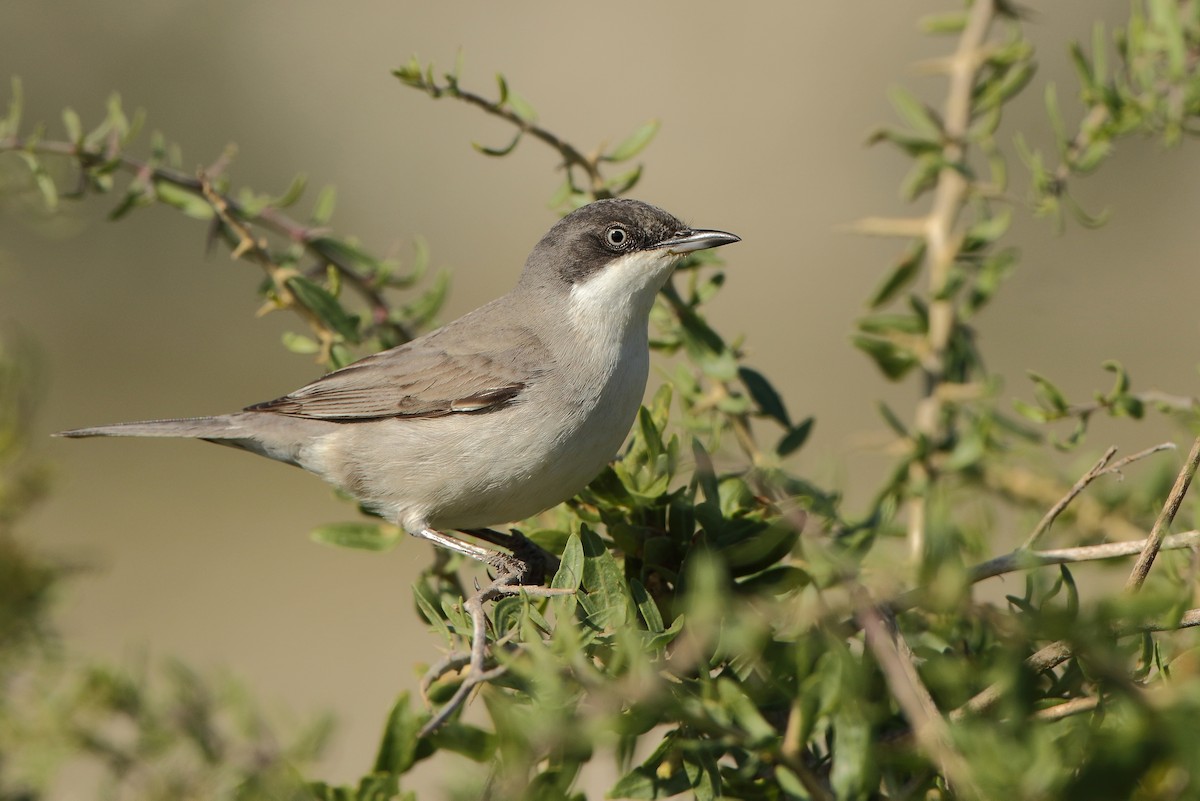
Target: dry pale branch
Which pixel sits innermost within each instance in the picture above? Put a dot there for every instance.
(1145, 560)
(897, 662)
(1073, 707)
(943, 240)
(1054, 654)
(1099, 469)
(1026, 560)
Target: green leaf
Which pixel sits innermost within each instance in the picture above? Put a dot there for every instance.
(768, 400)
(499, 151)
(894, 361)
(570, 566)
(850, 775)
(520, 107)
(901, 276)
(72, 125)
(318, 300)
(988, 230)
(887, 322)
(892, 419)
(922, 176)
(760, 550)
(345, 254)
(950, 22)
(795, 438)
(606, 601)
(620, 184)
(1122, 382)
(471, 741)
(919, 117)
(42, 179)
(425, 605)
(362, 536)
(1049, 395)
(1030, 412)
(635, 143)
(191, 204)
(410, 73)
(907, 143)
(658, 777)
(323, 209)
(298, 343)
(759, 733)
(398, 748)
(646, 606)
(293, 192)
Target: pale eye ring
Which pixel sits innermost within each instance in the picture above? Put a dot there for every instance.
(617, 238)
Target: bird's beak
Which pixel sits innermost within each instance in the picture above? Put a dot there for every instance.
(696, 239)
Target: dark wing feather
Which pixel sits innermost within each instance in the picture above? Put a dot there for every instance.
(446, 372)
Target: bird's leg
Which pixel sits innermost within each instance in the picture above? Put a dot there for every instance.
(526, 565)
(536, 562)
(455, 544)
(505, 583)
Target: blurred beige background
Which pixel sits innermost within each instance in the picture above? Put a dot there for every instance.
(202, 552)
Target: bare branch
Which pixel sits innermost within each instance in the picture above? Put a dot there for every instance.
(1145, 560)
(1073, 707)
(1026, 560)
(896, 661)
(1099, 469)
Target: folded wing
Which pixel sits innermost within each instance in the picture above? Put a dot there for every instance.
(433, 376)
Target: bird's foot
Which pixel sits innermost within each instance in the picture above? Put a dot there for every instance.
(523, 571)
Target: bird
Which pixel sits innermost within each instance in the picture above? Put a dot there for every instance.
(497, 416)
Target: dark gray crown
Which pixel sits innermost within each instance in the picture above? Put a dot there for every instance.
(583, 241)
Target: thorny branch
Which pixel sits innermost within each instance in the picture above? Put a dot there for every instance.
(943, 242)
(313, 239)
(571, 155)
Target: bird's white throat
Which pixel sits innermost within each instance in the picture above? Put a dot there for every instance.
(615, 302)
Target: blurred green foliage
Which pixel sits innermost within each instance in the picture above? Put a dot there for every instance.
(143, 733)
(735, 632)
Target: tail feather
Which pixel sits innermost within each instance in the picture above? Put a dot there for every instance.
(188, 427)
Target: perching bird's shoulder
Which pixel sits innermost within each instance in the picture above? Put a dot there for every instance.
(458, 369)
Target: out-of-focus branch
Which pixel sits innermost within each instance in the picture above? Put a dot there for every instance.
(1154, 542)
(943, 241)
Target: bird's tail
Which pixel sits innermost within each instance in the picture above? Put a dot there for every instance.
(190, 427)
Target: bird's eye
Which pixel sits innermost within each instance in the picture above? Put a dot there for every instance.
(617, 237)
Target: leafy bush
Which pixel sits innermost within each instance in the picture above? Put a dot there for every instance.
(733, 631)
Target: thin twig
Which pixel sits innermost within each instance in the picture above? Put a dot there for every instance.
(1054, 654)
(899, 670)
(1052, 514)
(1073, 707)
(571, 156)
(1049, 657)
(1031, 489)
(1145, 560)
(312, 239)
(1026, 560)
(1021, 559)
(504, 584)
(1099, 469)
